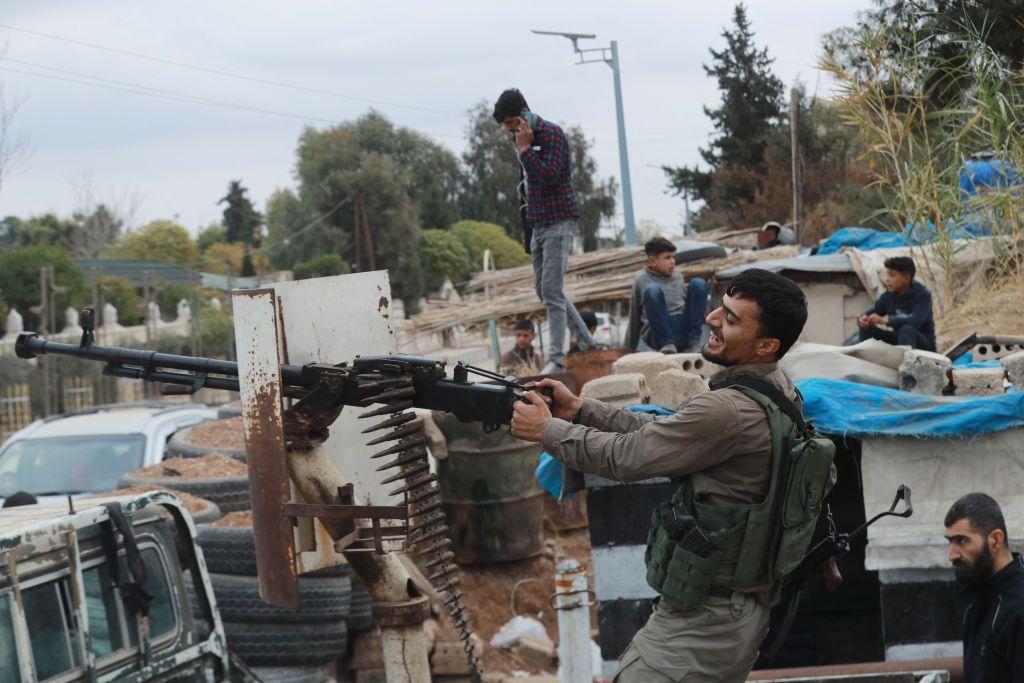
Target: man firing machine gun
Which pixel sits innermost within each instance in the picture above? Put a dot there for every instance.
(319, 391)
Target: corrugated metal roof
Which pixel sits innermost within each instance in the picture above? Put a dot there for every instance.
(829, 263)
(139, 273)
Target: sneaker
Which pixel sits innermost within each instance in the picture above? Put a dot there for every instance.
(552, 368)
(668, 348)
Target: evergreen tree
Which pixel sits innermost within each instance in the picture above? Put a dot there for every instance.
(242, 222)
(752, 105)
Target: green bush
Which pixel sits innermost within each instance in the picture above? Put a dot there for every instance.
(444, 256)
(19, 280)
(320, 266)
(478, 236)
(216, 332)
(168, 296)
(123, 296)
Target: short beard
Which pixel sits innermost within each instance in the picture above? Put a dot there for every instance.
(978, 572)
(717, 360)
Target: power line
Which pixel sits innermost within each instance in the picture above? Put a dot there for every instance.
(227, 74)
(139, 89)
(167, 95)
(283, 84)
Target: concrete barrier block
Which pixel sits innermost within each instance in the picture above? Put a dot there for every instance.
(695, 363)
(619, 390)
(1014, 366)
(978, 381)
(924, 372)
(649, 363)
(674, 387)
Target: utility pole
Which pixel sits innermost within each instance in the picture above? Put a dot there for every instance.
(794, 125)
(688, 225)
(610, 56)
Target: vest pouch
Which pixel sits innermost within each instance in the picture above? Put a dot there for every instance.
(811, 476)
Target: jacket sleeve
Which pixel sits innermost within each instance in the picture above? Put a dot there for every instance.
(543, 166)
(604, 417)
(633, 329)
(700, 436)
(922, 308)
(877, 307)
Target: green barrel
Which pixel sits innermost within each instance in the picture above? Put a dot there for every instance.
(494, 505)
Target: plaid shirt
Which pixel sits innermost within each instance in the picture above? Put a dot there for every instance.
(548, 174)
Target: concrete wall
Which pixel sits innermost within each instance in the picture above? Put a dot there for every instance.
(832, 310)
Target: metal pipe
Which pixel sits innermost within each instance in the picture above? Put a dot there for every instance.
(573, 609)
(620, 120)
(954, 665)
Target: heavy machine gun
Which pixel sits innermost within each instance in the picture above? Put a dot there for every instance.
(319, 391)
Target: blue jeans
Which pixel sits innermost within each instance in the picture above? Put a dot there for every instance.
(682, 329)
(550, 247)
(907, 335)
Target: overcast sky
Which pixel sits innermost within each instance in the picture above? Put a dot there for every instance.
(421, 64)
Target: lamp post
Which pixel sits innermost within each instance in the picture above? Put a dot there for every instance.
(610, 56)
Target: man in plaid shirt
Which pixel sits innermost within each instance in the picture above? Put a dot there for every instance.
(548, 204)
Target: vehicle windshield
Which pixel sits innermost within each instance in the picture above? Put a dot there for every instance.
(78, 464)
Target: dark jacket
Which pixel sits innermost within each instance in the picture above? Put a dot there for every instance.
(994, 627)
(913, 308)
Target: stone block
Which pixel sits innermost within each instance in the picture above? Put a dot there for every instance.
(535, 652)
(449, 659)
(978, 381)
(1014, 366)
(924, 372)
(649, 363)
(619, 390)
(695, 363)
(672, 388)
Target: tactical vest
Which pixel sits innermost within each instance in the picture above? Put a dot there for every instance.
(693, 547)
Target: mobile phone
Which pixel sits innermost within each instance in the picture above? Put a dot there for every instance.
(529, 117)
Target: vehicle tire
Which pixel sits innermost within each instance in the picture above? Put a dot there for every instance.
(293, 674)
(285, 644)
(699, 252)
(238, 599)
(229, 493)
(360, 610)
(210, 512)
(233, 409)
(232, 550)
(180, 446)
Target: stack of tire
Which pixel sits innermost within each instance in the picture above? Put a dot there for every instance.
(282, 644)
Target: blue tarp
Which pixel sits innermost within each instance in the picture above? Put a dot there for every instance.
(864, 239)
(849, 409)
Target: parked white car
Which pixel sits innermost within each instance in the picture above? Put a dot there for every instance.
(88, 450)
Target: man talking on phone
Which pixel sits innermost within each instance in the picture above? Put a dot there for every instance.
(548, 203)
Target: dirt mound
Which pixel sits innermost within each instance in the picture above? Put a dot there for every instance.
(240, 518)
(226, 433)
(207, 467)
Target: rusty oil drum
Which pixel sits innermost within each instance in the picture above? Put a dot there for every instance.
(494, 505)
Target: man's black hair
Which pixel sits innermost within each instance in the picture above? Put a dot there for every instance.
(901, 264)
(656, 246)
(510, 103)
(20, 498)
(981, 511)
(524, 325)
(589, 318)
(782, 303)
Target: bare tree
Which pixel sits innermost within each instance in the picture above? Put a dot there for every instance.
(101, 220)
(14, 147)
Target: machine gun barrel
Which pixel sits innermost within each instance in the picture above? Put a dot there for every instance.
(490, 404)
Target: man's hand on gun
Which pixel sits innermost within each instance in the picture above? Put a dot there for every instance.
(529, 417)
